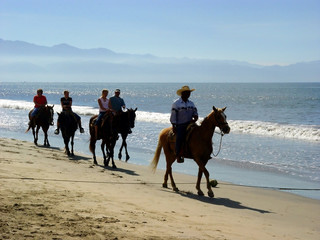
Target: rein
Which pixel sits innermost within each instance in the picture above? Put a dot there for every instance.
(221, 135)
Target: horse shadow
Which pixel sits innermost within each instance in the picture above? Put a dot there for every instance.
(48, 147)
(79, 158)
(220, 201)
(120, 170)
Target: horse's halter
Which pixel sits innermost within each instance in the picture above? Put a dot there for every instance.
(224, 127)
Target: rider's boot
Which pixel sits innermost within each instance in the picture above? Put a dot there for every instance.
(80, 127)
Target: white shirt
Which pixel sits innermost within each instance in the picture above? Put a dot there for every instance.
(182, 112)
(104, 104)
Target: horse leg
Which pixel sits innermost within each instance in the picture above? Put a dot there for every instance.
(66, 144)
(111, 153)
(120, 150)
(125, 148)
(210, 192)
(37, 134)
(72, 143)
(34, 136)
(203, 169)
(169, 174)
(200, 193)
(45, 132)
(105, 161)
(93, 150)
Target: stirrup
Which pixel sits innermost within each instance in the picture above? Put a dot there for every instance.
(56, 131)
(81, 130)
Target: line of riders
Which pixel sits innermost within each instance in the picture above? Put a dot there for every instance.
(108, 108)
(183, 112)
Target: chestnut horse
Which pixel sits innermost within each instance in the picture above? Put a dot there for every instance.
(43, 119)
(198, 146)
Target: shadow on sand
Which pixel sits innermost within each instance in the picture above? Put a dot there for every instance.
(220, 201)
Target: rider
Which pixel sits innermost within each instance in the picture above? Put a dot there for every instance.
(66, 103)
(183, 112)
(103, 102)
(39, 102)
(117, 105)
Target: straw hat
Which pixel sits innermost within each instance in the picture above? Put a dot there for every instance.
(184, 89)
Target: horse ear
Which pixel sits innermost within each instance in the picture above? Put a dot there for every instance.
(135, 109)
(224, 109)
(214, 109)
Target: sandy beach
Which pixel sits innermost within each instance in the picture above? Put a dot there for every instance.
(46, 195)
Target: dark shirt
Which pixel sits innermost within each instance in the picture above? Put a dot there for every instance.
(66, 103)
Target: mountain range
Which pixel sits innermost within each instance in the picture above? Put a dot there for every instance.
(22, 61)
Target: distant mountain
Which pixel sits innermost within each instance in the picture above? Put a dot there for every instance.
(22, 61)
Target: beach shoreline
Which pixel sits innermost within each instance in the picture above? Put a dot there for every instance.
(46, 195)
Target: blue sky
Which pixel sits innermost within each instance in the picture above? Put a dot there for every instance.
(256, 31)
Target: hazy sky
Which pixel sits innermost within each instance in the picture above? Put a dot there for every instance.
(256, 31)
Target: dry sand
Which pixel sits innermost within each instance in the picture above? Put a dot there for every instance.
(46, 195)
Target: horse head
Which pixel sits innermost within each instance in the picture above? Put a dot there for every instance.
(51, 113)
(221, 119)
(132, 116)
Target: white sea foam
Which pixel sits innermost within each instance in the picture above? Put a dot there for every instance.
(299, 132)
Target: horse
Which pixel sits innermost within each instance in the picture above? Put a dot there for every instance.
(43, 119)
(125, 122)
(109, 139)
(198, 146)
(111, 126)
(68, 125)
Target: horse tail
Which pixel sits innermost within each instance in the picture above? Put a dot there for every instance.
(28, 129)
(156, 157)
(92, 135)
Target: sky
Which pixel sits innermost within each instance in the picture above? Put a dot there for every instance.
(264, 32)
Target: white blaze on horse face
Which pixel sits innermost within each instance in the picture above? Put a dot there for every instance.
(224, 117)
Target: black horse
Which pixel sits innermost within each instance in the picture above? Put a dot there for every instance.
(43, 119)
(125, 122)
(68, 125)
(110, 127)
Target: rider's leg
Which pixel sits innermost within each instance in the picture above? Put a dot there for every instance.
(79, 123)
(32, 115)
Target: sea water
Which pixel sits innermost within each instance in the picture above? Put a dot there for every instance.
(275, 127)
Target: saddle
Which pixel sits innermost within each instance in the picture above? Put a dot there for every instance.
(185, 148)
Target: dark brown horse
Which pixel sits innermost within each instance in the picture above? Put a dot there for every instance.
(68, 125)
(43, 119)
(108, 137)
(111, 126)
(198, 147)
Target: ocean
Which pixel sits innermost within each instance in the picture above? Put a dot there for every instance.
(275, 127)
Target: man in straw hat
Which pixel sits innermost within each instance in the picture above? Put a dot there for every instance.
(183, 112)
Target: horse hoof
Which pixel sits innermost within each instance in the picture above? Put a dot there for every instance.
(200, 193)
(165, 185)
(95, 163)
(211, 194)
(114, 166)
(176, 189)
